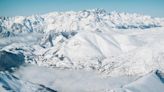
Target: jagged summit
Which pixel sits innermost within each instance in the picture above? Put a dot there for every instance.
(73, 21)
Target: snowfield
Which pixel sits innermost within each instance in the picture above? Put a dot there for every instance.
(85, 51)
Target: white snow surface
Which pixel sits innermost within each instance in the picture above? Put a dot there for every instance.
(110, 44)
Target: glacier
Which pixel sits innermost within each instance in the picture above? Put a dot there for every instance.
(124, 50)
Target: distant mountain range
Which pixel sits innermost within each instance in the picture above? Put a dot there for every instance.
(95, 19)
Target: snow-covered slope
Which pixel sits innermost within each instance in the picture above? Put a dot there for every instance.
(146, 83)
(152, 82)
(10, 83)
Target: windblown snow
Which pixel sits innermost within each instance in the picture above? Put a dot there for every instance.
(125, 50)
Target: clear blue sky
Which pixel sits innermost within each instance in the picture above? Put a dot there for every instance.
(29, 7)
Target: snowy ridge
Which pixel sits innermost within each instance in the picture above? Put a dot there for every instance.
(10, 83)
(96, 19)
(151, 82)
(108, 52)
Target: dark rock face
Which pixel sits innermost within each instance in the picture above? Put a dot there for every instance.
(160, 75)
(9, 60)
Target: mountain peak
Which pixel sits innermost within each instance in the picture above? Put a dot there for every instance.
(73, 21)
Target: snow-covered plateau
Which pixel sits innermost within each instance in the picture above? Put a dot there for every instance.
(84, 51)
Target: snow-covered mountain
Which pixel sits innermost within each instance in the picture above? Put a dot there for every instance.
(95, 19)
(112, 44)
